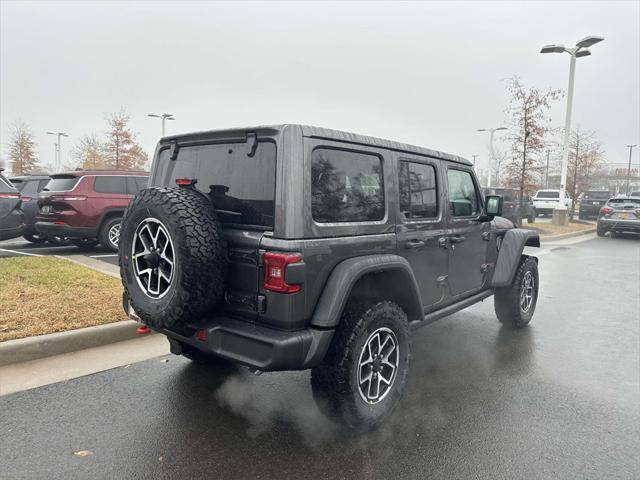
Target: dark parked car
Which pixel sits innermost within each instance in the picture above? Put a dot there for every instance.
(86, 206)
(30, 187)
(10, 210)
(293, 247)
(591, 202)
(512, 208)
(620, 214)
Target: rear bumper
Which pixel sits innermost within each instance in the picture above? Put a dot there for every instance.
(256, 346)
(64, 230)
(620, 225)
(589, 210)
(9, 233)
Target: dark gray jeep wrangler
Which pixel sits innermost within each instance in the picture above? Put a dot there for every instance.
(294, 247)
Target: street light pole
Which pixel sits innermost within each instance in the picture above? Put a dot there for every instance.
(630, 147)
(546, 177)
(163, 117)
(57, 166)
(580, 50)
(491, 151)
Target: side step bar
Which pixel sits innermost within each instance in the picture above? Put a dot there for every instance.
(450, 309)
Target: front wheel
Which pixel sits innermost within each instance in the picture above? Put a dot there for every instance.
(365, 369)
(515, 304)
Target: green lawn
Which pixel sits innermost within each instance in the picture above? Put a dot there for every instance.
(41, 295)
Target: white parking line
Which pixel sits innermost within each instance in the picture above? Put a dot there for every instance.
(21, 253)
(105, 255)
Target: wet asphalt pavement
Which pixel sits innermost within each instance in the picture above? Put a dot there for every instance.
(559, 399)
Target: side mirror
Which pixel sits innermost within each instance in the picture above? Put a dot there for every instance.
(493, 206)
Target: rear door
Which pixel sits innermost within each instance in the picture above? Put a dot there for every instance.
(468, 238)
(241, 186)
(421, 229)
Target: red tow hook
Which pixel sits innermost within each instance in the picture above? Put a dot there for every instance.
(143, 329)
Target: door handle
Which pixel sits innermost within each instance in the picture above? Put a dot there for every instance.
(443, 242)
(414, 244)
(456, 239)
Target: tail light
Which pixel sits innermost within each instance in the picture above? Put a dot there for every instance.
(9, 195)
(26, 199)
(275, 268)
(186, 182)
(606, 211)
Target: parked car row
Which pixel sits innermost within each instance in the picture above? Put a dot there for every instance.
(83, 207)
(512, 208)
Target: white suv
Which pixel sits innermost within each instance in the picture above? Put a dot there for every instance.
(545, 201)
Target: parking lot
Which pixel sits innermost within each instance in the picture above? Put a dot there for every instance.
(18, 247)
(555, 400)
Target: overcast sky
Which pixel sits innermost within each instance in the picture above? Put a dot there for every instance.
(426, 73)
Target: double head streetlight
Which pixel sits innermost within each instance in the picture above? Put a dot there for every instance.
(57, 166)
(580, 50)
(491, 151)
(164, 117)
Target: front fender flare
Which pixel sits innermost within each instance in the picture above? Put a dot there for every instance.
(511, 249)
(347, 273)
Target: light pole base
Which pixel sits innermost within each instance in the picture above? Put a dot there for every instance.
(560, 217)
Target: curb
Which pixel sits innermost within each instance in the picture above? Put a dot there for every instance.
(567, 235)
(41, 346)
(92, 263)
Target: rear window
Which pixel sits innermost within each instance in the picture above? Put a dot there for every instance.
(61, 184)
(596, 195)
(18, 183)
(548, 195)
(241, 187)
(618, 202)
(346, 186)
(30, 187)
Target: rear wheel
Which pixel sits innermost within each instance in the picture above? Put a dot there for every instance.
(601, 231)
(364, 371)
(110, 234)
(84, 242)
(515, 304)
(58, 241)
(34, 238)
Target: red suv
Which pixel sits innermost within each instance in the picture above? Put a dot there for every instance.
(87, 205)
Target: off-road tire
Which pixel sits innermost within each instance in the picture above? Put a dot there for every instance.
(601, 231)
(507, 301)
(199, 256)
(104, 234)
(84, 243)
(34, 238)
(334, 381)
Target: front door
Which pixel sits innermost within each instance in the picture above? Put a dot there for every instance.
(421, 228)
(467, 244)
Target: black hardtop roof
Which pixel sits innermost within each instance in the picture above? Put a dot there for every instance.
(326, 133)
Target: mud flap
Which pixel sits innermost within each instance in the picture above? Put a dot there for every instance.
(511, 248)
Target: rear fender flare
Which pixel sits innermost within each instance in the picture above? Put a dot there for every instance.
(511, 248)
(347, 274)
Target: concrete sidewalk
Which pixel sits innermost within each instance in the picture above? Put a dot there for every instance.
(60, 368)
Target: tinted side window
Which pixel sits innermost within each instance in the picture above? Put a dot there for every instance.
(346, 186)
(110, 184)
(42, 184)
(463, 197)
(418, 194)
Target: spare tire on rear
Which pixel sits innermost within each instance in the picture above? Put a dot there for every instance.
(172, 256)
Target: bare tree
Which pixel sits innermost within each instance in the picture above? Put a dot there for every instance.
(22, 155)
(120, 149)
(529, 125)
(89, 152)
(585, 157)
